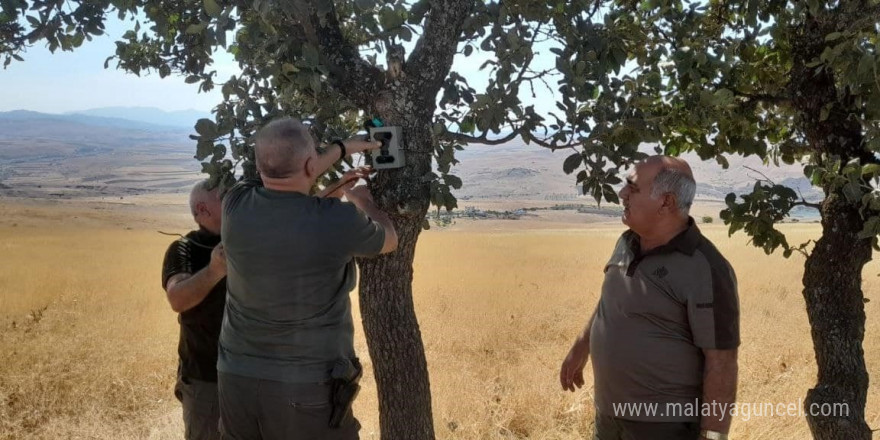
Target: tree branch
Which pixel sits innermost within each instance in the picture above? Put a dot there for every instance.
(483, 139)
(803, 201)
(868, 157)
(766, 179)
(669, 40)
(431, 59)
(807, 204)
(762, 97)
(553, 146)
(353, 76)
(526, 64)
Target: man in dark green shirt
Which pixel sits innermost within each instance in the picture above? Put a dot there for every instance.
(290, 268)
(665, 333)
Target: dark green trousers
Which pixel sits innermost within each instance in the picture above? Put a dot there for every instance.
(612, 428)
(257, 409)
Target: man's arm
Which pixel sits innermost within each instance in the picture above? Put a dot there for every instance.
(331, 153)
(185, 291)
(361, 197)
(719, 388)
(345, 183)
(571, 374)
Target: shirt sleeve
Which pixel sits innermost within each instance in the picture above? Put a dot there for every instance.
(360, 235)
(232, 197)
(178, 259)
(713, 308)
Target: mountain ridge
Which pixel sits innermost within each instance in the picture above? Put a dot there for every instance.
(103, 155)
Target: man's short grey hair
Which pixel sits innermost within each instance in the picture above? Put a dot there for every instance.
(679, 184)
(281, 147)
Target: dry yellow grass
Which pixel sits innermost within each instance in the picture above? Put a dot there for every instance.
(87, 342)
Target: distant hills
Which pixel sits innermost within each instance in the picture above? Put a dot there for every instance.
(139, 118)
(101, 151)
(73, 155)
(518, 171)
(149, 115)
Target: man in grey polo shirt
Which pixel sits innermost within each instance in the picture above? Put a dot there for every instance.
(665, 333)
(290, 263)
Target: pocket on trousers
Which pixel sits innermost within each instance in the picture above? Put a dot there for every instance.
(308, 419)
(308, 398)
(310, 407)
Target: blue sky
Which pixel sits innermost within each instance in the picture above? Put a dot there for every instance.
(69, 81)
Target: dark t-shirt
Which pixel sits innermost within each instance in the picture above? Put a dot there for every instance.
(200, 325)
(290, 260)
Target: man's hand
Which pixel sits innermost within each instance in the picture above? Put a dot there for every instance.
(217, 265)
(572, 373)
(346, 182)
(361, 197)
(185, 290)
(357, 144)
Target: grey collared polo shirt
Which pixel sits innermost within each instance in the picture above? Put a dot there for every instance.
(657, 312)
(290, 265)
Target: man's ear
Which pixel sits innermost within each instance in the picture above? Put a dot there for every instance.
(669, 202)
(310, 168)
(202, 209)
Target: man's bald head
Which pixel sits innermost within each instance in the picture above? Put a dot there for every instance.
(672, 175)
(205, 204)
(198, 193)
(282, 147)
(670, 163)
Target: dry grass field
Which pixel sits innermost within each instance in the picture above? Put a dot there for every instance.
(88, 343)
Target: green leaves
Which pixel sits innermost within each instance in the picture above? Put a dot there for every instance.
(390, 18)
(452, 181)
(572, 162)
(833, 36)
(212, 8)
(722, 97)
(310, 55)
(871, 228)
(196, 28)
(758, 212)
(206, 128)
(442, 197)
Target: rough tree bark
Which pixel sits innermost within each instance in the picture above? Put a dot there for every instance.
(833, 293)
(833, 271)
(407, 99)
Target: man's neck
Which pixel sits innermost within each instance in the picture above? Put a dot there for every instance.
(288, 184)
(203, 231)
(662, 234)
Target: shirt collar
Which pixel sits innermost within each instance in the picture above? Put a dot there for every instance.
(685, 242)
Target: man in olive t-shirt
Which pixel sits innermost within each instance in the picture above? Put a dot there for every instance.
(290, 268)
(665, 333)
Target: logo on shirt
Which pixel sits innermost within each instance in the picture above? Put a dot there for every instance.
(661, 272)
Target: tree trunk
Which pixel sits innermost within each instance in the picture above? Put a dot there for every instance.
(395, 341)
(835, 306)
(835, 407)
(389, 319)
